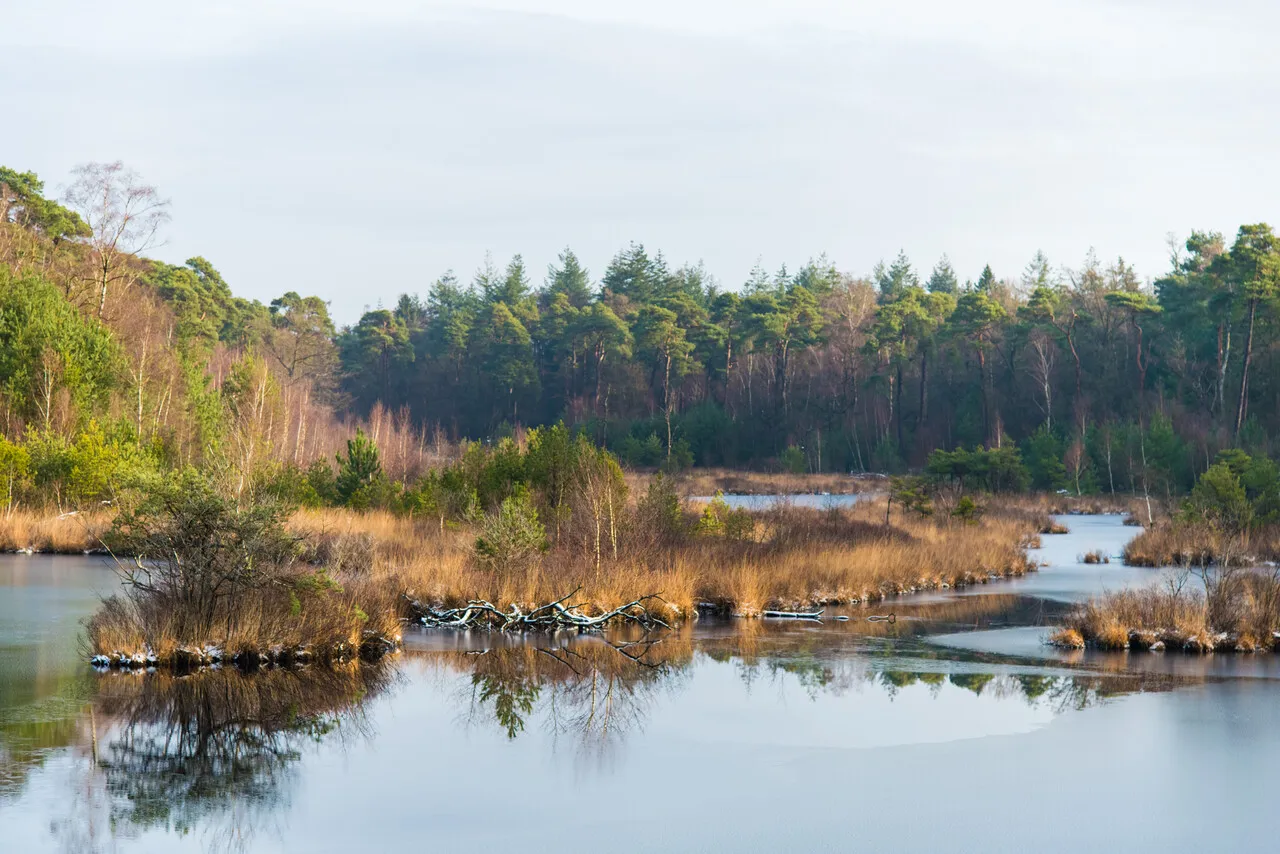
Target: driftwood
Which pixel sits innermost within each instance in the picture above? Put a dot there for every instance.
(793, 615)
(479, 613)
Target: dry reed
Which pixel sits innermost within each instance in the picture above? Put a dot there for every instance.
(796, 557)
(50, 531)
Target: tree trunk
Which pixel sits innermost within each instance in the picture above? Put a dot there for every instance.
(666, 401)
(1244, 375)
(982, 385)
(924, 386)
(897, 405)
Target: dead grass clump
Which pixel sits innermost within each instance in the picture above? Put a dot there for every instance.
(1241, 614)
(1095, 556)
(1112, 636)
(1168, 544)
(1067, 638)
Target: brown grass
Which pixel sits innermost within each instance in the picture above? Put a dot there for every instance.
(50, 531)
(380, 564)
(1095, 556)
(1183, 544)
(359, 618)
(797, 557)
(1241, 615)
(1067, 638)
(707, 481)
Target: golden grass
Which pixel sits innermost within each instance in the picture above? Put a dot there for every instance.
(1095, 556)
(1182, 544)
(51, 531)
(263, 625)
(1067, 638)
(381, 564)
(706, 481)
(1242, 615)
(797, 558)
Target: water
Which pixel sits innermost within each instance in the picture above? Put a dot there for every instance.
(766, 502)
(953, 729)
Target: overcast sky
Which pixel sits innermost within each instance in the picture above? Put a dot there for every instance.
(357, 150)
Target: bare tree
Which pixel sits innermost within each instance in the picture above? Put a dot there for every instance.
(1040, 366)
(124, 216)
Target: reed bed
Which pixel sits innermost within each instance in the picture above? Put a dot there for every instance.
(33, 531)
(707, 481)
(1240, 613)
(359, 574)
(794, 558)
(1186, 544)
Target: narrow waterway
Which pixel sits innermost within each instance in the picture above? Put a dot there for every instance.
(951, 729)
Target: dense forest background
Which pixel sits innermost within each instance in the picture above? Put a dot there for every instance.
(110, 360)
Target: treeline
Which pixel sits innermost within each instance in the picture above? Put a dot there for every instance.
(1103, 381)
(1097, 381)
(114, 365)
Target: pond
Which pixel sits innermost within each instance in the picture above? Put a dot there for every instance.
(817, 501)
(951, 729)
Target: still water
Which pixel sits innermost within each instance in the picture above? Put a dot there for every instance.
(816, 501)
(953, 729)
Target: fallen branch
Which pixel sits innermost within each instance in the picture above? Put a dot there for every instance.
(479, 613)
(793, 615)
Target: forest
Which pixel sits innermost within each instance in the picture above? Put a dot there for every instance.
(111, 361)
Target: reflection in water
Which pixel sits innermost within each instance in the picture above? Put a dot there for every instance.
(599, 691)
(592, 689)
(181, 753)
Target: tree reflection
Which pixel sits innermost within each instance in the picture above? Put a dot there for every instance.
(592, 689)
(182, 753)
(597, 691)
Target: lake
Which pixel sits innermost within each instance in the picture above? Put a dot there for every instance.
(951, 729)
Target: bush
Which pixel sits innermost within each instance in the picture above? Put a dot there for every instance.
(360, 483)
(15, 469)
(511, 537)
(719, 519)
(660, 513)
(194, 550)
(966, 509)
(792, 460)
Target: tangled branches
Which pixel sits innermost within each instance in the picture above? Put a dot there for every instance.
(479, 613)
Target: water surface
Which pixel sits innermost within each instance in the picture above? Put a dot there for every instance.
(953, 729)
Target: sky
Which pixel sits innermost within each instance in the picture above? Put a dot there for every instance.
(358, 150)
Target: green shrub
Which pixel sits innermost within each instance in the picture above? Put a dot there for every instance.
(512, 536)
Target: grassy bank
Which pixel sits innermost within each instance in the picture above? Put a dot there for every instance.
(1239, 613)
(791, 558)
(214, 581)
(32, 531)
(1190, 544)
(708, 481)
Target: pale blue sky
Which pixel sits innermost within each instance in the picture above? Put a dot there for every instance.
(357, 150)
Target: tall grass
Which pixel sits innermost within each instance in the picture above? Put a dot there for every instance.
(50, 531)
(1236, 610)
(1185, 544)
(707, 481)
(795, 557)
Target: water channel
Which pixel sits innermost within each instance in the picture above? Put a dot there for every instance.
(952, 729)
